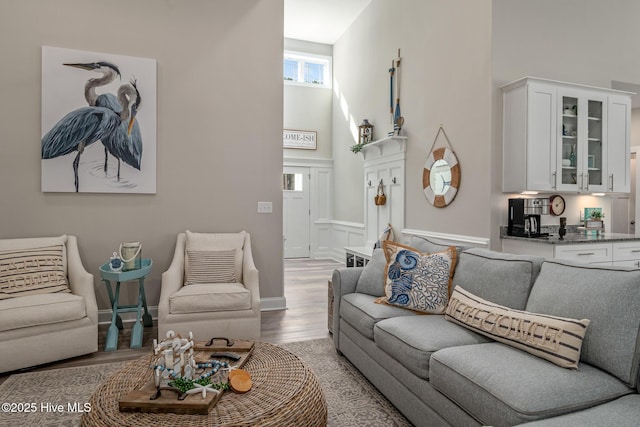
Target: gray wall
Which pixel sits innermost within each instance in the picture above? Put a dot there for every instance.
(445, 79)
(219, 126)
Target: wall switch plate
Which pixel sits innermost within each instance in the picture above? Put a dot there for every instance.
(265, 207)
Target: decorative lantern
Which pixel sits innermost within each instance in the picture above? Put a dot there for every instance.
(365, 132)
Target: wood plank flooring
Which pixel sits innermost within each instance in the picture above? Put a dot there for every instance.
(305, 317)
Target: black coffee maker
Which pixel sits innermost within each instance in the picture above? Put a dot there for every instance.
(521, 223)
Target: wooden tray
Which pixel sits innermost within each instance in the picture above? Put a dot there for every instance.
(139, 400)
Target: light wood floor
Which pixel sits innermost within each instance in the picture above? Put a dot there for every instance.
(305, 317)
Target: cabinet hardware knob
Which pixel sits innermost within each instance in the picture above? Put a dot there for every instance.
(586, 253)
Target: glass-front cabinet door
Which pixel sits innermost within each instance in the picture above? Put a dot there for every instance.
(581, 153)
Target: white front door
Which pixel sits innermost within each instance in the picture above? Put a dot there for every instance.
(296, 212)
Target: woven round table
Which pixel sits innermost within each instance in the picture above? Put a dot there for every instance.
(284, 392)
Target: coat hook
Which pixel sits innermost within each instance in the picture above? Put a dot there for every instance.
(381, 182)
(394, 180)
(369, 183)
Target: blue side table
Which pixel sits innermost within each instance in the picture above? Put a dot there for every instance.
(109, 276)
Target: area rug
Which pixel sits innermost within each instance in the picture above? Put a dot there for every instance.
(57, 397)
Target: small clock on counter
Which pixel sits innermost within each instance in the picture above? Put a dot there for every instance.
(556, 205)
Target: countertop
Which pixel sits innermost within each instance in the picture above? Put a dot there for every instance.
(572, 237)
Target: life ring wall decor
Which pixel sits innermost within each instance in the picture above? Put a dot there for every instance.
(441, 177)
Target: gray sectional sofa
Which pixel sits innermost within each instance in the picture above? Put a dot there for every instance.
(437, 372)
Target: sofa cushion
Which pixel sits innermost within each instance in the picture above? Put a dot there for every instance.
(362, 313)
(411, 340)
(556, 339)
(371, 281)
(211, 267)
(41, 309)
(609, 297)
(500, 385)
(505, 279)
(622, 412)
(31, 271)
(216, 242)
(418, 281)
(203, 297)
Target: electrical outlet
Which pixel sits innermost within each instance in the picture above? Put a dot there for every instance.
(265, 207)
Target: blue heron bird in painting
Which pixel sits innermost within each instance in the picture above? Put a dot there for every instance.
(84, 126)
(124, 143)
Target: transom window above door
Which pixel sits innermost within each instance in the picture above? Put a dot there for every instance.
(307, 69)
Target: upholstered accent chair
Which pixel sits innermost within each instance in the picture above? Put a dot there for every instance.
(48, 308)
(211, 288)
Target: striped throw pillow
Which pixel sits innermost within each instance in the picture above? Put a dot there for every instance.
(211, 267)
(32, 271)
(556, 339)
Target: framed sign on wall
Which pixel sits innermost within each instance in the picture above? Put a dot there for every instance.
(303, 139)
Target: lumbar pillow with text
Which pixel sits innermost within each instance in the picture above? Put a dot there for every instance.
(417, 281)
(32, 271)
(211, 267)
(556, 339)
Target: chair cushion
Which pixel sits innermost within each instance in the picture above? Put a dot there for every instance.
(42, 309)
(505, 279)
(412, 339)
(31, 271)
(204, 297)
(216, 242)
(418, 281)
(556, 339)
(362, 313)
(500, 385)
(211, 267)
(609, 297)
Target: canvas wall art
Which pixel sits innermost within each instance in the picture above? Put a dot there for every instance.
(98, 122)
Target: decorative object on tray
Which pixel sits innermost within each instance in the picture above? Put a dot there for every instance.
(115, 263)
(131, 255)
(195, 374)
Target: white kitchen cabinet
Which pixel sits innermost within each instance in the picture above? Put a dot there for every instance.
(586, 253)
(625, 253)
(565, 137)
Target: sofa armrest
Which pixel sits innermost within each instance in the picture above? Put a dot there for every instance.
(80, 280)
(344, 281)
(173, 278)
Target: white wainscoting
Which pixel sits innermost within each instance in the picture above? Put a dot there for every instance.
(453, 239)
(345, 234)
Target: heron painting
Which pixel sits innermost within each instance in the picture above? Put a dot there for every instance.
(98, 122)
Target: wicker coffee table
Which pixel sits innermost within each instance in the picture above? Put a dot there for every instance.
(284, 392)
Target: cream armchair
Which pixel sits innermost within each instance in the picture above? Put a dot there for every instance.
(211, 288)
(48, 308)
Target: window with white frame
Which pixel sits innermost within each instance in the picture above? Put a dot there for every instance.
(307, 69)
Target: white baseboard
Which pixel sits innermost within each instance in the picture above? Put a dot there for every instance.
(104, 316)
(274, 303)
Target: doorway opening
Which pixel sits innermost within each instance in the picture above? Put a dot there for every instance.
(296, 212)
